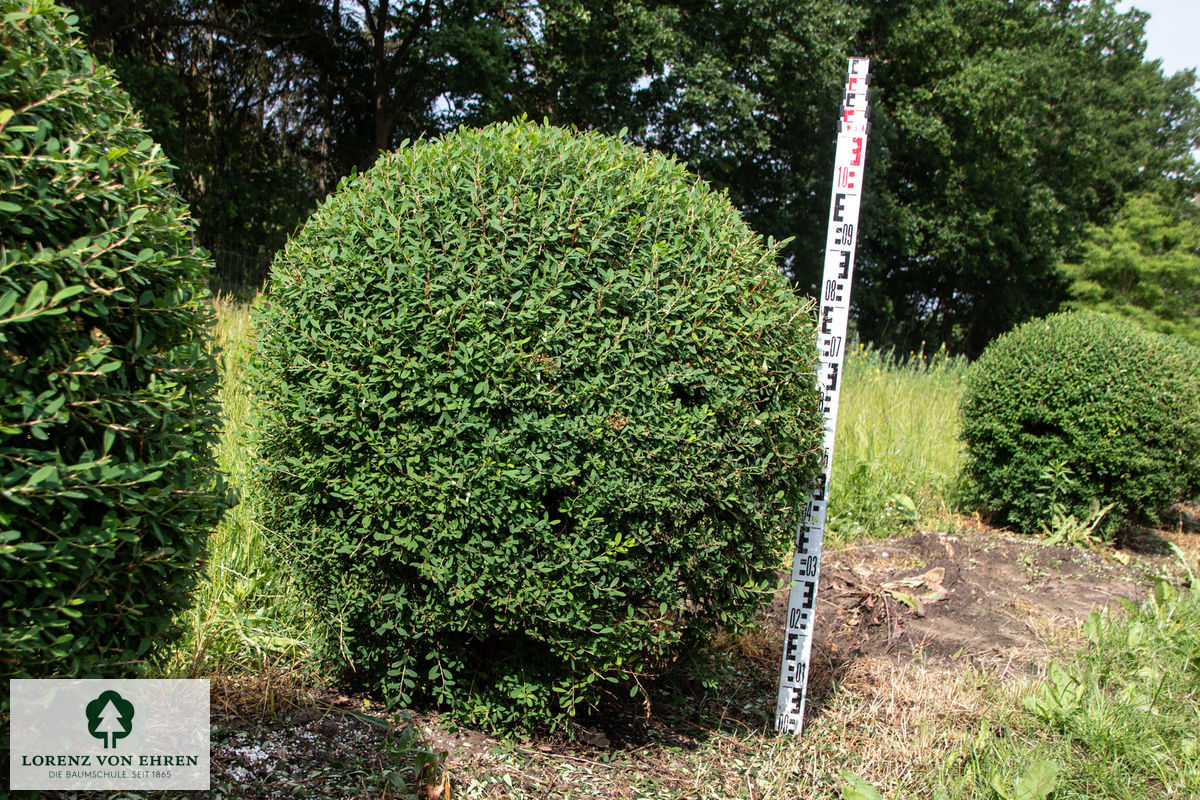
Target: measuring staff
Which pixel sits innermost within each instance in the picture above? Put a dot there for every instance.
(840, 242)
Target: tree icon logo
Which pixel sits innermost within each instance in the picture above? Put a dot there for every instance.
(110, 717)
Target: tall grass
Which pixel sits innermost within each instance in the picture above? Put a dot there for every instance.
(245, 612)
(896, 453)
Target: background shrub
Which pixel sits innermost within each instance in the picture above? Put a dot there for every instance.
(537, 409)
(107, 487)
(1081, 409)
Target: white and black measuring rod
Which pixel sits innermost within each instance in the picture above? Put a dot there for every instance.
(840, 242)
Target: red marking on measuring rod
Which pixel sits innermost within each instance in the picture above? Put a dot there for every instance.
(840, 242)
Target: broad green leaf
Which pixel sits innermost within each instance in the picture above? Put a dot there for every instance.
(35, 297)
(1038, 782)
(1093, 628)
(8, 300)
(41, 474)
(66, 293)
(855, 788)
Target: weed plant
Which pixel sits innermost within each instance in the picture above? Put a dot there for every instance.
(1119, 721)
(896, 455)
(246, 613)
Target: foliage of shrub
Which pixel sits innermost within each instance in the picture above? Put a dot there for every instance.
(107, 486)
(1077, 411)
(537, 409)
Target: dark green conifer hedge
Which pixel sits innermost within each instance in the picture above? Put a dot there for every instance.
(108, 488)
(537, 411)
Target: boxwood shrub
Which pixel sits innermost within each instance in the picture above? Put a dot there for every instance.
(107, 485)
(1083, 410)
(536, 409)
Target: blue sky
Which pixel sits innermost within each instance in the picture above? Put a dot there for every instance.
(1172, 32)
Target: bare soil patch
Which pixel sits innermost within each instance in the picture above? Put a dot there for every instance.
(977, 595)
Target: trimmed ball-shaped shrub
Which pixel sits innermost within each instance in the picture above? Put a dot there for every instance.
(537, 410)
(107, 485)
(1082, 410)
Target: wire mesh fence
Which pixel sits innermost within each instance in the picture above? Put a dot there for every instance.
(239, 267)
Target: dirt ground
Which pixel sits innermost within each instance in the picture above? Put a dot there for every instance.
(976, 595)
(975, 598)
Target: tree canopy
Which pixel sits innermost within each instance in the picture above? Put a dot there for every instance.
(1145, 266)
(1002, 128)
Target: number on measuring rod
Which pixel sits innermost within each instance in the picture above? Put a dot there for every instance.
(840, 242)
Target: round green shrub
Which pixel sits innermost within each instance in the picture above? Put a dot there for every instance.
(1079, 411)
(537, 409)
(107, 485)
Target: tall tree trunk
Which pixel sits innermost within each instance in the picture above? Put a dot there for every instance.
(383, 87)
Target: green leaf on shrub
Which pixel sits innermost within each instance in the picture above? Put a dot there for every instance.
(83, 375)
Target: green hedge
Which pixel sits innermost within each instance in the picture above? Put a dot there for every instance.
(1082, 410)
(537, 410)
(107, 486)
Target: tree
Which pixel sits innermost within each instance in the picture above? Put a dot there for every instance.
(1001, 130)
(211, 80)
(110, 723)
(110, 717)
(745, 94)
(1145, 266)
(264, 105)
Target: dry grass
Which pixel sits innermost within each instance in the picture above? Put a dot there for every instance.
(266, 693)
(895, 725)
(1185, 535)
(1056, 632)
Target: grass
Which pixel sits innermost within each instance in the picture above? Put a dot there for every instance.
(891, 724)
(246, 614)
(896, 454)
(1120, 720)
